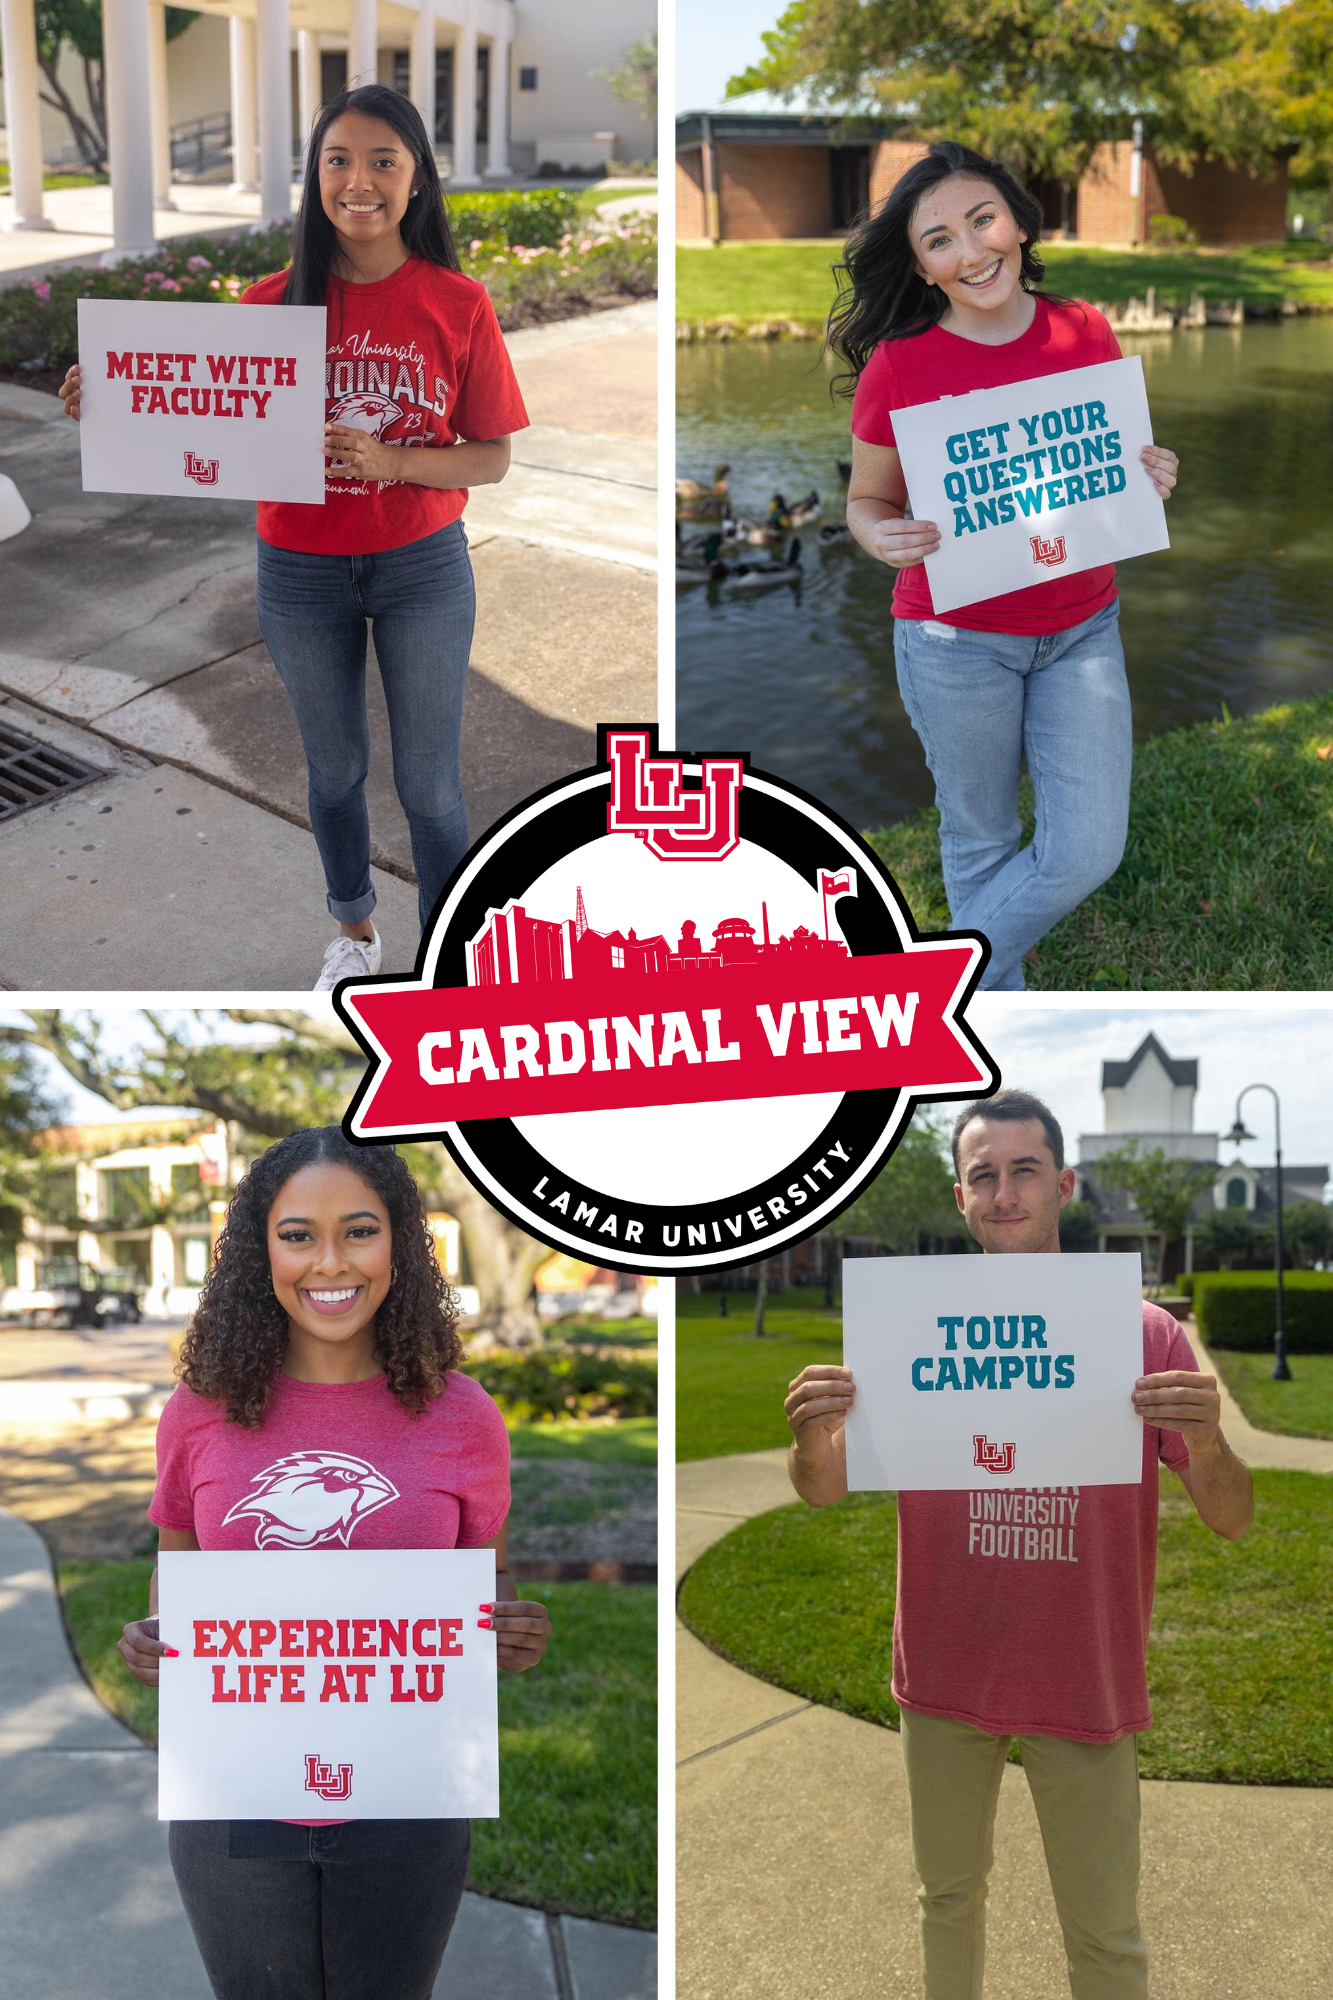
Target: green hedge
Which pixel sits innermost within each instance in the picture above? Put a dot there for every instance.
(544, 1384)
(1235, 1309)
(517, 217)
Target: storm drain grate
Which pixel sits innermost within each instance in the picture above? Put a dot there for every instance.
(32, 773)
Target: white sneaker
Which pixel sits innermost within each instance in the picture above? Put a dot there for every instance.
(349, 958)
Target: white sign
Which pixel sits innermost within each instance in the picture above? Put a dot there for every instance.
(993, 1371)
(226, 401)
(328, 1684)
(1036, 480)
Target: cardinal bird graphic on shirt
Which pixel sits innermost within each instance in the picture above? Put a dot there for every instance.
(370, 413)
(312, 1500)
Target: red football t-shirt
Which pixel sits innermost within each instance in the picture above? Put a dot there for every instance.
(901, 373)
(1026, 1611)
(416, 360)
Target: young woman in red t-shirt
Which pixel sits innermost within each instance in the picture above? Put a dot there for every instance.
(421, 403)
(940, 301)
(320, 1407)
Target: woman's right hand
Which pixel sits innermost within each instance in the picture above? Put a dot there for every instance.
(70, 392)
(141, 1649)
(904, 543)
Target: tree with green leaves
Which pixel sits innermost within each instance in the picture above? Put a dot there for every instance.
(303, 1075)
(634, 78)
(77, 25)
(1039, 85)
(1078, 1226)
(1227, 1238)
(1163, 1188)
(911, 1198)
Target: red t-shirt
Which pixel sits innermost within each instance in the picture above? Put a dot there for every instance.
(901, 373)
(417, 359)
(335, 1465)
(1026, 1612)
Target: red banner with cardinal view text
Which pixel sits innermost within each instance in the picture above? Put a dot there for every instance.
(616, 1039)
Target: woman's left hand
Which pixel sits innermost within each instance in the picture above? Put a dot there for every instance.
(1162, 467)
(360, 455)
(522, 1632)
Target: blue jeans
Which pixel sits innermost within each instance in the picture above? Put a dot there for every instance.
(980, 702)
(422, 604)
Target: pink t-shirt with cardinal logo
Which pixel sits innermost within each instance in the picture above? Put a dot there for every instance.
(901, 373)
(416, 360)
(1026, 1612)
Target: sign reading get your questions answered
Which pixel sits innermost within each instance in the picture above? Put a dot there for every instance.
(224, 401)
(993, 1371)
(1035, 480)
(327, 1684)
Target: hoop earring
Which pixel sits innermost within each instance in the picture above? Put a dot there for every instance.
(393, 1276)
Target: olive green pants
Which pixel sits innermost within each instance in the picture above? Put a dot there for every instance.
(1087, 1801)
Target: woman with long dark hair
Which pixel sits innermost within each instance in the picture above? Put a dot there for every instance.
(421, 403)
(324, 1348)
(939, 298)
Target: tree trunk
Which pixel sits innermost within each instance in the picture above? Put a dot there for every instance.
(760, 1298)
(92, 150)
(503, 1260)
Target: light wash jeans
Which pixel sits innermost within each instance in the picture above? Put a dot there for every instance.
(980, 702)
(421, 603)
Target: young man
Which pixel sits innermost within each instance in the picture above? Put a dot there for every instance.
(1041, 1636)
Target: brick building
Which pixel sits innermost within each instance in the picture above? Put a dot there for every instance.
(760, 169)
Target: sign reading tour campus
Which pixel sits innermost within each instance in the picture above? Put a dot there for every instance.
(670, 1015)
(335, 1684)
(1038, 479)
(993, 1372)
(197, 399)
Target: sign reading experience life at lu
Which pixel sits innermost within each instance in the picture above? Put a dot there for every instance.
(222, 401)
(993, 1371)
(327, 1684)
(1031, 481)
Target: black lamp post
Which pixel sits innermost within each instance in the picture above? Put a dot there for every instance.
(1238, 1135)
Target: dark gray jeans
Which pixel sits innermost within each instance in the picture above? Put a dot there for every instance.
(360, 1911)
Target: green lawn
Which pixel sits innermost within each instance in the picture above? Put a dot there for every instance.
(49, 181)
(729, 1386)
(629, 1441)
(1224, 881)
(578, 1741)
(758, 281)
(1242, 1634)
(1302, 1407)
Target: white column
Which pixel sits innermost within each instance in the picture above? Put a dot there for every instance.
(309, 91)
(497, 109)
(273, 46)
(363, 46)
(422, 71)
(464, 171)
(244, 149)
(128, 127)
(160, 104)
(18, 37)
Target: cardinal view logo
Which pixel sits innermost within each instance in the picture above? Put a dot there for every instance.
(670, 1015)
(329, 1781)
(312, 1500)
(992, 1457)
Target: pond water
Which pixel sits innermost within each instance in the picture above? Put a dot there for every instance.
(1239, 610)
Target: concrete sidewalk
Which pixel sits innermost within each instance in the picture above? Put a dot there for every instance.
(130, 639)
(794, 1873)
(87, 1900)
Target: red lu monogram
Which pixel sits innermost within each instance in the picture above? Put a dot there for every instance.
(992, 1457)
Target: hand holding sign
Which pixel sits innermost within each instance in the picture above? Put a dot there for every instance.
(1181, 1401)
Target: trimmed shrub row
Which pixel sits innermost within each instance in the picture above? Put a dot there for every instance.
(1236, 1309)
(545, 1383)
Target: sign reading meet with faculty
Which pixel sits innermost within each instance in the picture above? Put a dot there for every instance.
(327, 1684)
(225, 401)
(993, 1371)
(1034, 480)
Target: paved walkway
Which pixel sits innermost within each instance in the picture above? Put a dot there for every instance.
(794, 1875)
(130, 640)
(87, 1900)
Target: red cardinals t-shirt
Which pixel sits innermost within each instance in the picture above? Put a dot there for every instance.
(901, 373)
(417, 360)
(1026, 1611)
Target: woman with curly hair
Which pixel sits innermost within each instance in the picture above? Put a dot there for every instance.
(320, 1406)
(940, 298)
